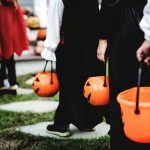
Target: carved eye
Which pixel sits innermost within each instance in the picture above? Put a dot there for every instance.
(88, 84)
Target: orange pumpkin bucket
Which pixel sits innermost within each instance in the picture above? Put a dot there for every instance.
(135, 109)
(45, 84)
(96, 92)
(96, 89)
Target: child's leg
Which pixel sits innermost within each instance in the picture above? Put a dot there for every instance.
(10, 64)
(3, 69)
(1, 80)
(4, 75)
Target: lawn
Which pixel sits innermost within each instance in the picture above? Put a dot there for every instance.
(13, 140)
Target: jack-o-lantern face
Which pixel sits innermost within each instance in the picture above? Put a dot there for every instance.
(95, 90)
(41, 34)
(45, 84)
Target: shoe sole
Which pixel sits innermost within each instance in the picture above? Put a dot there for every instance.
(6, 91)
(66, 134)
(87, 130)
(3, 91)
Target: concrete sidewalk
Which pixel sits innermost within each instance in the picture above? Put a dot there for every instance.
(39, 129)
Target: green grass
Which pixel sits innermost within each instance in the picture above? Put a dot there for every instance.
(21, 80)
(10, 119)
(18, 141)
(10, 98)
(14, 140)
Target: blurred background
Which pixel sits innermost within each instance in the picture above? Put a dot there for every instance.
(35, 16)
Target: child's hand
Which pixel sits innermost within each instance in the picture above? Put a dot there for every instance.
(101, 49)
(144, 52)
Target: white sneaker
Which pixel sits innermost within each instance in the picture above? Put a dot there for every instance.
(13, 87)
(6, 83)
(12, 90)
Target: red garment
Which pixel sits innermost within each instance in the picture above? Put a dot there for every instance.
(62, 36)
(12, 31)
(9, 0)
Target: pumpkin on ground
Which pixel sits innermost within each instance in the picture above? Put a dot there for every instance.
(33, 22)
(41, 34)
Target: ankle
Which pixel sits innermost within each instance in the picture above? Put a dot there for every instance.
(6, 83)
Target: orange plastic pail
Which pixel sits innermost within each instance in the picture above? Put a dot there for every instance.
(136, 126)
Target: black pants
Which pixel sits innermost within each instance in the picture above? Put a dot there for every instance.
(123, 75)
(8, 70)
(73, 107)
(61, 115)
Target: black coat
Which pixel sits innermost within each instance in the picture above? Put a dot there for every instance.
(120, 25)
(76, 62)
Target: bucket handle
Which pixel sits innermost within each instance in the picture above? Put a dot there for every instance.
(137, 111)
(105, 63)
(51, 70)
(46, 66)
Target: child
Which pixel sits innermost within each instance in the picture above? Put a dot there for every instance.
(76, 62)
(121, 35)
(12, 40)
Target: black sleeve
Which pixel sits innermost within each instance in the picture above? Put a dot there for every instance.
(124, 2)
(132, 2)
(108, 19)
(64, 1)
(109, 15)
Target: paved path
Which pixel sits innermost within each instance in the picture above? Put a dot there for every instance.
(29, 81)
(35, 106)
(23, 91)
(40, 130)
